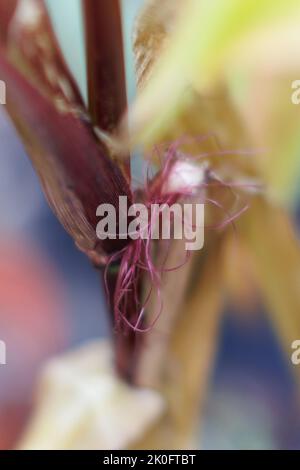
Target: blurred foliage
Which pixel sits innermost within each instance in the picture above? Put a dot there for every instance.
(218, 64)
(224, 69)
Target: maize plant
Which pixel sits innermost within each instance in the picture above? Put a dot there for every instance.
(214, 123)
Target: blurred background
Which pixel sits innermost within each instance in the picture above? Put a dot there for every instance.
(51, 299)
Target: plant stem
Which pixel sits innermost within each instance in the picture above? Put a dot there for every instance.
(107, 98)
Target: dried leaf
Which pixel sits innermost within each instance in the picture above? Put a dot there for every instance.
(190, 350)
(75, 171)
(152, 30)
(32, 47)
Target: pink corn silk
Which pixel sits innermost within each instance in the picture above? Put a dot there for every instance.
(136, 258)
